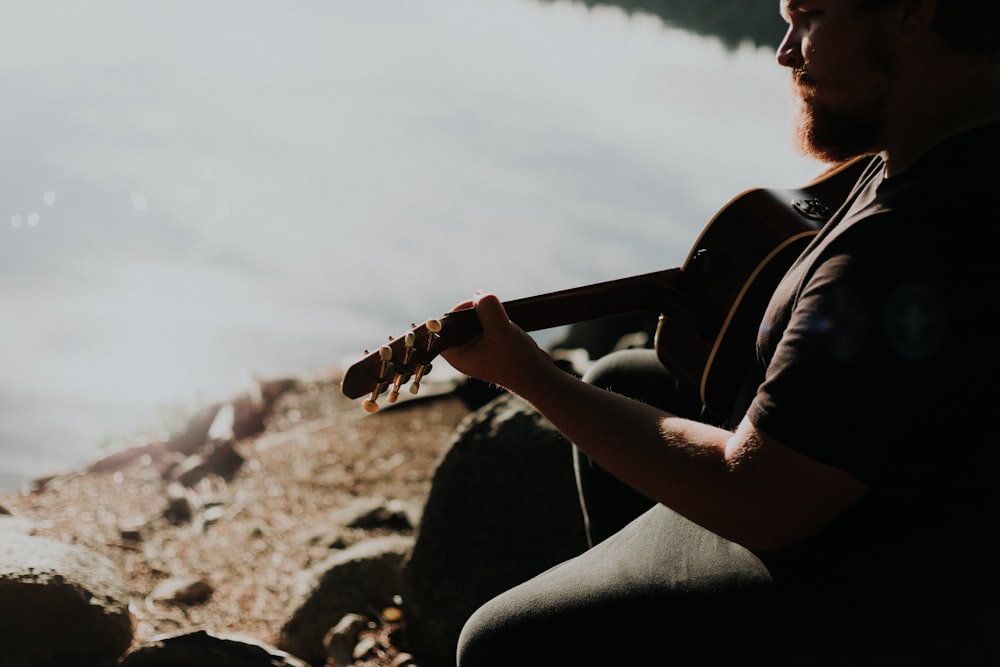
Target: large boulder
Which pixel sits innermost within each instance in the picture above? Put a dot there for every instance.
(60, 604)
(502, 508)
(201, 648)
(362, 578)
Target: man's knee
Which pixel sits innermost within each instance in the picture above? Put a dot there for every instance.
(479, 644)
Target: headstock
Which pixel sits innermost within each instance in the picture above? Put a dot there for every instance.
(406, 359)
(393, 364)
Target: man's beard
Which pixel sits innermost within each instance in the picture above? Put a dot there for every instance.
(848, 121)
(837, 133)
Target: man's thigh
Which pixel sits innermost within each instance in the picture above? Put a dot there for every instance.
(659, 588)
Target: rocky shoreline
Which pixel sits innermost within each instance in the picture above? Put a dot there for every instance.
(287, 526)
(207, 543)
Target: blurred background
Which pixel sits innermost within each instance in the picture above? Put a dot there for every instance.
(197, 193)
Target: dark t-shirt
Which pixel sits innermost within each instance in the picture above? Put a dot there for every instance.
(879, 354)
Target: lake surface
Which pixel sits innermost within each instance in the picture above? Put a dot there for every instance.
(197, 193)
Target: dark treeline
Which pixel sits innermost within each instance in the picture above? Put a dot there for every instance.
(733, 22)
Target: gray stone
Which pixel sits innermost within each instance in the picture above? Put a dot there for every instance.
(340, 642)
(183, 591)
(204, 649)
(502, 508)
(361, 579)
(194, 435)
(60, 604)
(374, 513)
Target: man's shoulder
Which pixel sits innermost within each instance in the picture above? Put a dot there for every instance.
(942, 198)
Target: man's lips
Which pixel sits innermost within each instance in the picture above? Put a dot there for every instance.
(803, 84)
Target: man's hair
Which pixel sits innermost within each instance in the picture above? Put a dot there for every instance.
(972, 26)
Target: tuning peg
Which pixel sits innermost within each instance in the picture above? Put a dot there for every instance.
(421, 371)
(409, 343)
(397, 383)
(385, 369)
(433, 329)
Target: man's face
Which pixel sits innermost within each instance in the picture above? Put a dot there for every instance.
(841, 73)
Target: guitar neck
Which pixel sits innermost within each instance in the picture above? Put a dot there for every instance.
(651, 292)
(648, 292)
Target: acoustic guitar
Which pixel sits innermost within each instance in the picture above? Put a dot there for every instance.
(709, 308)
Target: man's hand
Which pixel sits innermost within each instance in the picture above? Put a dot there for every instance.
(502, 354)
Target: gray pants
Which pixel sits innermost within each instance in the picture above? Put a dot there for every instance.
(652, 584)
(656, 592)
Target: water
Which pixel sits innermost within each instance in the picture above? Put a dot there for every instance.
(197, 193)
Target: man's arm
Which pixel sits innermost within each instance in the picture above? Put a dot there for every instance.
(744, 486)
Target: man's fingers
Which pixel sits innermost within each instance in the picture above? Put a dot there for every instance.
(490, 310)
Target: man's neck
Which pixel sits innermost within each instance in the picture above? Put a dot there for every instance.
(936, 101)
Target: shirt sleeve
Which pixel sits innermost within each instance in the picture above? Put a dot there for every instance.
(857, 358)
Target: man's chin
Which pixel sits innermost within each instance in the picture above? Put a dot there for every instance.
(825, 151)
(830, 138)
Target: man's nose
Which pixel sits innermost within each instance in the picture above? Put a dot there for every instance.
(789, 53)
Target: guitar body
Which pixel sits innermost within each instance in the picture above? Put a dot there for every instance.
(729, 277)
(710, 307)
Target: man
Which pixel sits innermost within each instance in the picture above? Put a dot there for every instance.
(844, 514)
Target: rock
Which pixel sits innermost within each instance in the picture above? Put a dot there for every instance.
(250, 411)
(403, 659)
(243, 416)
(342, 639)
(156, 450)
(329, 537)
(223, 425)
(248, 416)
(502, 508)
(183, 591)
(218, 457)
(192, 438)
(130, 534)
(180, 507)
(271, 390)
(190, 471)
(60, 604)
(363, 577)
(362, 519)
(364, 647)
(374, 513)
(223, 459)
(203, 649)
